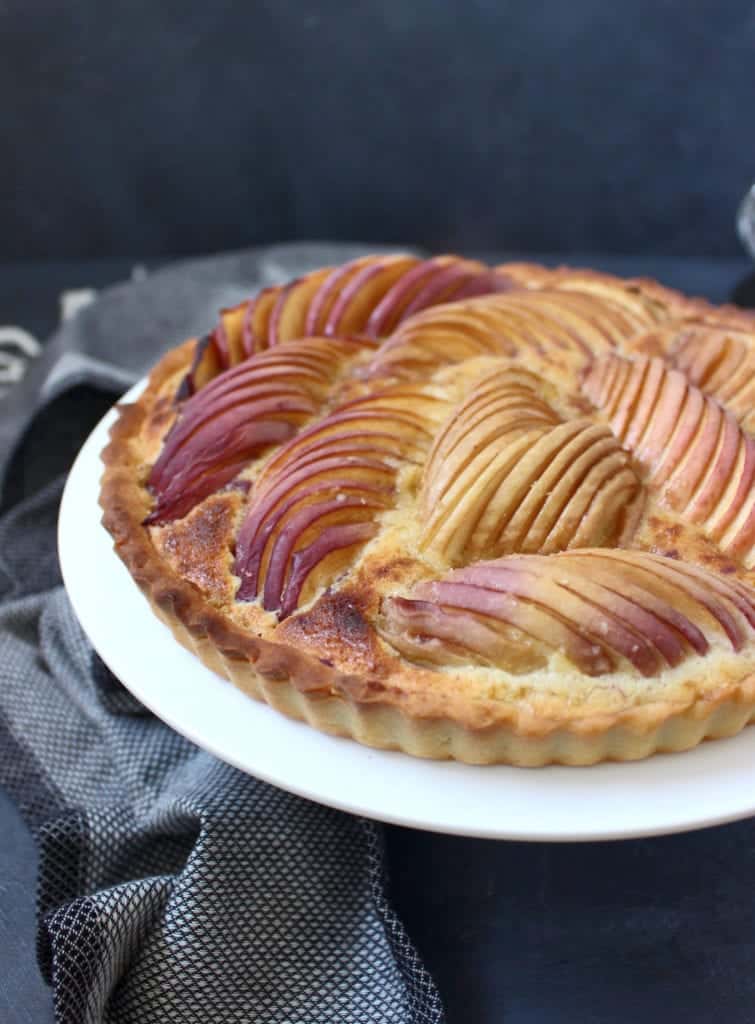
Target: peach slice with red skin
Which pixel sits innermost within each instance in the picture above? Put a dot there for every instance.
(222, 348)
(486, 282)
(591, 323)
(391, 308)
(216, 469)
(720, 361)
(444, 285)
(350, 312)
(258, 403)
(334, 538)
(445, 335)
(693, 451)
(228, 334)
(301, 370)
(506, 474)
(515, 613)
(362, 297)
(541, 326)
(631, 297)
(328, 292)
(205, 365)
(288, 316)
(371, 295)
(314, 484)
(323, 491)
(427, 284)
(256, 328)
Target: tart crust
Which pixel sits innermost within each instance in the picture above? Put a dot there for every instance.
(327, 665)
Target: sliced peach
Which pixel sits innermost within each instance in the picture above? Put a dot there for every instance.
(692, 467)
(333, 538)
(248, 342)
(548, 325)
(229, 333)
(502, 604)
(288, 317)
(423, 631)
(722, 363)
(487, 282)
(342, 468)
(261, 401)
(506, 475)
(361, 293)
(575, 475)
(742, 544)
(743, 487)
(574, 319)
(442, 285)
(696, 592)
(623, 295)
(327, 294)
(638, 596)
(389, 312)
(222, 460)
(282, 564)
(644, 407)
(292, 503)
(453, 528)
(717, 471)
(691, 415)
(695, 454)
(662, 421)
(205, 365)
(256, 325)
(594, 606)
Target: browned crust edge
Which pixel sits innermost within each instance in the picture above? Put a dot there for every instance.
(379, 715)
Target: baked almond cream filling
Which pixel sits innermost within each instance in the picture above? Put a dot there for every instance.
(469, 494)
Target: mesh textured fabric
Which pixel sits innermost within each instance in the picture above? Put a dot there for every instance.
(172, 886)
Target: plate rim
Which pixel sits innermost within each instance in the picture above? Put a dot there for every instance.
(78, 494)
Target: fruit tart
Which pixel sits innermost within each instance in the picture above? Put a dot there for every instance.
(497, 514)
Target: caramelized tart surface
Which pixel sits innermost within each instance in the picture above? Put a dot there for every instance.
(498, 514)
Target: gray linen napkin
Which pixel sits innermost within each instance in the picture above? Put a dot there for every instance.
(172, 886)
(114, 341)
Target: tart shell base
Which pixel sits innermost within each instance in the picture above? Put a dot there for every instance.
(388, 728)
(373, 712)
(301, 688)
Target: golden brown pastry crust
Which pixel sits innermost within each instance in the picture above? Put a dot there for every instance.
(328, 664)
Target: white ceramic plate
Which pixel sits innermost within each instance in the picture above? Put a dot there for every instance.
(667, 793)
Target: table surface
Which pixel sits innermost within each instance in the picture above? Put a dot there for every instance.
(524, 933)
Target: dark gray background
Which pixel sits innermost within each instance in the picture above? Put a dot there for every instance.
(148, 129)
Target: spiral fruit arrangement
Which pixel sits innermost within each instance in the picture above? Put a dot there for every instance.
(499, 514)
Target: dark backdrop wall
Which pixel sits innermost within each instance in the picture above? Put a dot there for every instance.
(164, 128)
